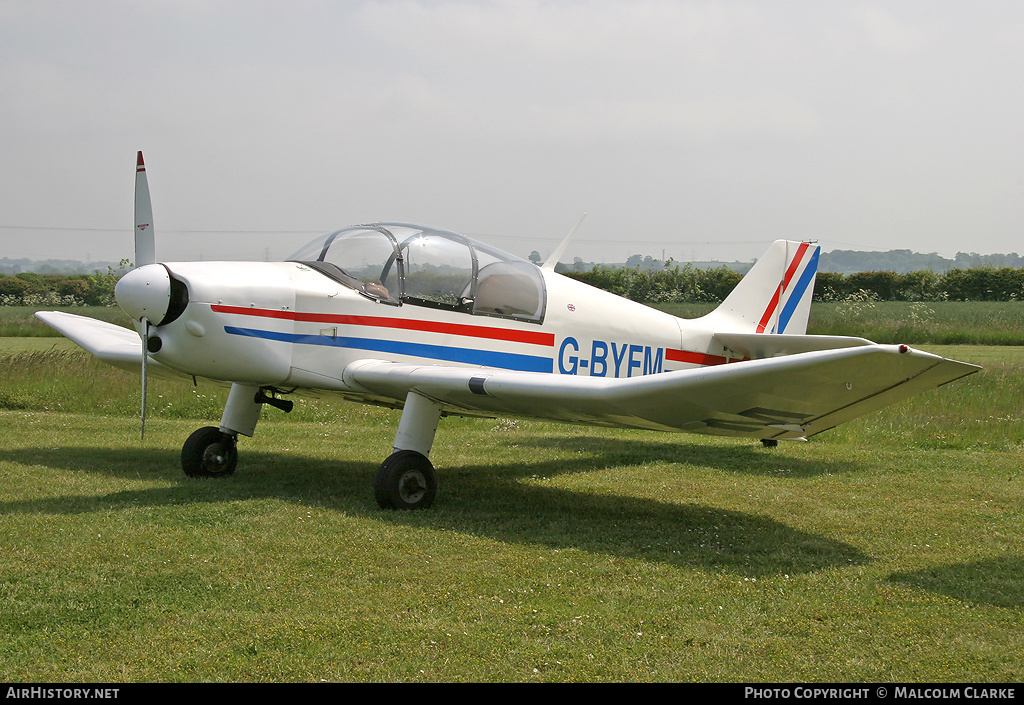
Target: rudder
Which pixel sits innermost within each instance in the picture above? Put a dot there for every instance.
(775, 295)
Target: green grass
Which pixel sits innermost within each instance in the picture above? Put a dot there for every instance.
(982, 411)
(936, 322)
(20, 321)
(888, 549)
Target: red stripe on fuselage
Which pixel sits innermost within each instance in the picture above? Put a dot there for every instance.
(696, 358)
(472, 331)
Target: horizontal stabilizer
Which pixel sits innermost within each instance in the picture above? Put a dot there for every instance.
(756, 346)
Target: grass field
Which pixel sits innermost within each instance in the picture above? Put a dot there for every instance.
(889, 549)
(20, 321)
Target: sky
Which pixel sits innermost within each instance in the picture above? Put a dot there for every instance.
(691, 130)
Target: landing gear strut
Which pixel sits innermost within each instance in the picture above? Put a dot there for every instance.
(406, 480)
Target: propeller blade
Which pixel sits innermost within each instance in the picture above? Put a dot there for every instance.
(145, 253)
(145, 355)
(145, 241)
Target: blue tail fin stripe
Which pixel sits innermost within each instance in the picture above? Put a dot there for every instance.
(798, 291)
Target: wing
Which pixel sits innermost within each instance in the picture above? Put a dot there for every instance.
(111, 343)
(795, 396)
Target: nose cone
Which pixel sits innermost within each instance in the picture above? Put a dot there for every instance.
(145, 292)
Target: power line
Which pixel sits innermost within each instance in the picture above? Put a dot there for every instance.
(489, 236)
(197, 232)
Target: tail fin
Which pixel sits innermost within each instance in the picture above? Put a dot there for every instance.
(775, 295)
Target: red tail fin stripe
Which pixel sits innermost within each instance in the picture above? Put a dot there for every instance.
(790, 273)
(772, 305)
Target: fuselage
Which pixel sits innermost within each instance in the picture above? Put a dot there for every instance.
(287, 325)
(399, 293)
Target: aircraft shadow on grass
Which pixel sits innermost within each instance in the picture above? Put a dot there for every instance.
(994, 581)
(738, 459)
(489, 501)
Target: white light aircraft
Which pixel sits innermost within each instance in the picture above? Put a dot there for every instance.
(434, 323)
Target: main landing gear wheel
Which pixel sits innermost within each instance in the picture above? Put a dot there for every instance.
(406, 480)
(209, 452)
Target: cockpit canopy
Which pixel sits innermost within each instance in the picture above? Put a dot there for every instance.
(396, 263)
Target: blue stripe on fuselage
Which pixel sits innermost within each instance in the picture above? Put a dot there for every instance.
(486, 358)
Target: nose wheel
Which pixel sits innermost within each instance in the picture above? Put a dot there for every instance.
(209, 452)
(406, 480)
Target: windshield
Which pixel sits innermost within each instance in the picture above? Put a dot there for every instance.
(398, 263)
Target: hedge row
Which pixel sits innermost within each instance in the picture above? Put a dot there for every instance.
(57, 289)
(685, 284)
(690, 285)
(975, 284)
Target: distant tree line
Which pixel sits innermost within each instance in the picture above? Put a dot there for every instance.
(51, 266)
(907, 261)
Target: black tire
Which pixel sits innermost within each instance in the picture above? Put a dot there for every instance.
(209, 453)
(406, 480)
